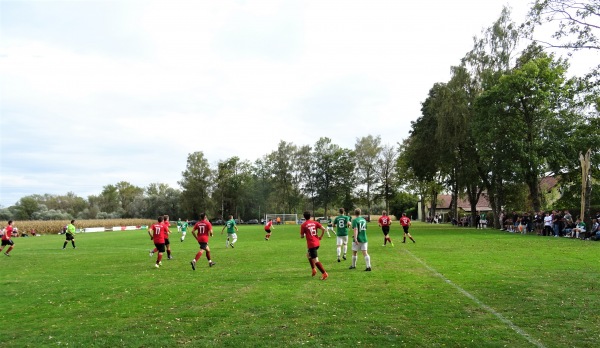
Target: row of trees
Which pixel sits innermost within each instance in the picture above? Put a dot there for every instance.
(291, 179)
(506, 119)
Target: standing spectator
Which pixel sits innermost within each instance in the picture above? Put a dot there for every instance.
(7, 233)
(205, 230)
(547, 225)
(231, 231)
(342, 223)
(157, 233)
(70, 235)
(359, 225)
(309, 230)
(268, 228)
(278, 220)
(526, 221)
(539, 222)
(184, 227)
(405, 223)
(385, 222)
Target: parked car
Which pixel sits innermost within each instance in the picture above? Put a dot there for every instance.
(239, 221)
(217, 222)
(252, 222)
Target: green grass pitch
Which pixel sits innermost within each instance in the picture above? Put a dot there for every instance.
(454, 288)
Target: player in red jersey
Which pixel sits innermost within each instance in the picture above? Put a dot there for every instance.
(309, 229)
(405, 222)
(167, 225)
(385, 222)
(268, 228)
(204, 228)
(8, 230)
(157, 233)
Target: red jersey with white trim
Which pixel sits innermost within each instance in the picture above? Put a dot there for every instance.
(309, 229)
(158, 233)
(203, 227)
(167, 224)
(7, 232)
(385, 221)
(268, 225)
(404, 221)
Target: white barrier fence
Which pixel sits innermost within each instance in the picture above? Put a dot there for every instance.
(110, 229)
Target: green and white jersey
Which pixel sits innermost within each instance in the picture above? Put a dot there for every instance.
(230, 226)
(341, 222)
(361, 224)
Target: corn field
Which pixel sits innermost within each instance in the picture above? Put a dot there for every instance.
(56, 226)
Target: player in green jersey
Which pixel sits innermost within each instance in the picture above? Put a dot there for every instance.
(231, 232)
(342, 223)
(359, 242)
(70, 235)
(184, 227)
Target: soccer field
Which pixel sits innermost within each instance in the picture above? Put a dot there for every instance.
(453, 288)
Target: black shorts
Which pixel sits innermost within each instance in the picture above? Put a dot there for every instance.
(385, 230)
(160, 247)
(167, 241)
(312, 252)
(69, 236)
(203, 245)
(405, 228)
(268, 231)
(7, 242)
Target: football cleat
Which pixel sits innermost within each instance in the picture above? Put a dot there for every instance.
(352, 267)
(339, 259)
(156, 265)
(232, 246)
(344, 257)
(193, 263)
(314, 272)
(368, 269)
(324, 276)
(151, 253)
(210, 264)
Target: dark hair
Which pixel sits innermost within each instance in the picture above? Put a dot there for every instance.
(341, 210)
(160, 219)
(307, 215)
(357, 211)
(72, 221)
(202, 216)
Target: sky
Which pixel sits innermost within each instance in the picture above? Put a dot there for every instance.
(97, 92)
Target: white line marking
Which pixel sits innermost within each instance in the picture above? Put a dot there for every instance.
(481, 304)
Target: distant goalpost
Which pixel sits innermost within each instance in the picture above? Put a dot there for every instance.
(287, 219)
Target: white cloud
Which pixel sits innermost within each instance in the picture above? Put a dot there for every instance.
(98, 92)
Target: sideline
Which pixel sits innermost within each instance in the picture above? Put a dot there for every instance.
(481, 304)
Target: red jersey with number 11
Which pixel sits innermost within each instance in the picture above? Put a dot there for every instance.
(158, 233)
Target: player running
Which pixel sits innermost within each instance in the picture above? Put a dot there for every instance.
(231, 232)
(309, 229)
(385, 222)
(359, 225)
(342, 223)
(204, 228)
(268, 228)
(405, 222)
(157, 233)
(7, 233)
(184, 227)
(329, 227)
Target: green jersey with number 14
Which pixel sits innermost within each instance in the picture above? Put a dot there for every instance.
(361, 224)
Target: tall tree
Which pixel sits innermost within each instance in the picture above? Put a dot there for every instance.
(386, 175)
(196, 184)
(281, 165)
(366, 151)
